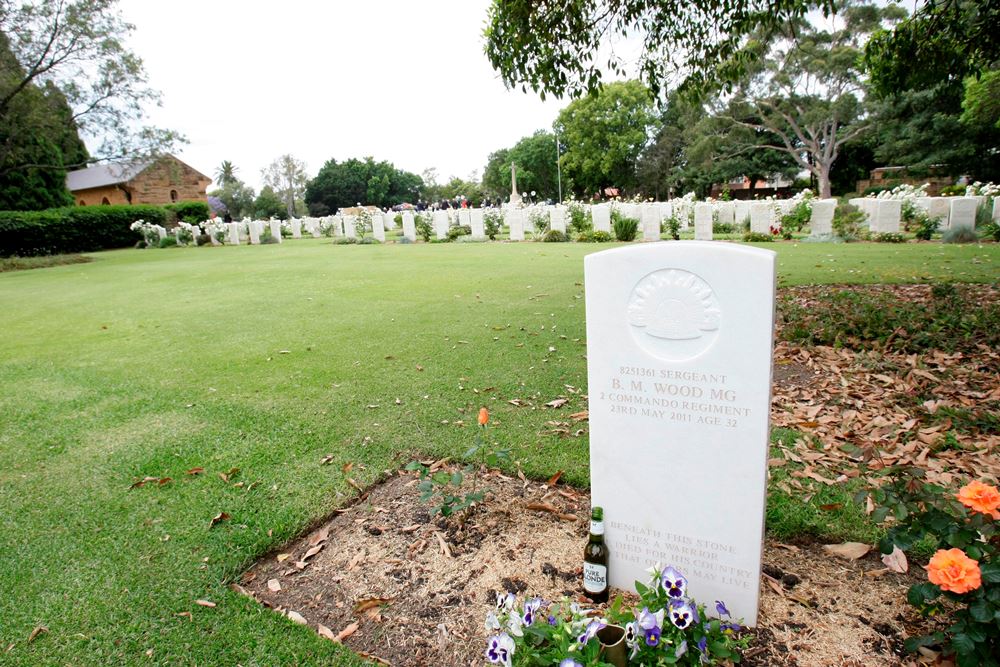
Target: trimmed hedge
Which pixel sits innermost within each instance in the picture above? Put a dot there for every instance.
(73, 229)
(191, 212)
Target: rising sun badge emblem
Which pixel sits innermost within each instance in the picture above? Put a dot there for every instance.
(674, 314)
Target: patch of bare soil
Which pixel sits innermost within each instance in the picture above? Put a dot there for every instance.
(405, 589)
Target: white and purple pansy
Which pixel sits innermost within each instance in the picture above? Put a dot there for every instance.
(682, 648)
(506, 602)
(569, 662)
(500, 650)
(531, 610)
(720, 607)
(591, 631)
(650, 625)
(682, 613)
(673, 582)
(492, 622)
(514, 625)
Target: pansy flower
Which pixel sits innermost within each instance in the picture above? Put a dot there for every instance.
(651, 626)
(682, 613)
(492, 622)
(673, 582)
(530, 608)
(569, 662)
(720, 607)
(500, 650)
(505, 602)
(682, 648)
(591, 631)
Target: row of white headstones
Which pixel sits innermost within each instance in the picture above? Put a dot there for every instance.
(883, 215)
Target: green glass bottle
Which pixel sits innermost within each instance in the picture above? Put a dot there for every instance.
(595, 560)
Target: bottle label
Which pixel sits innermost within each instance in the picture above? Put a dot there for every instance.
(596, 527)
(595, 577)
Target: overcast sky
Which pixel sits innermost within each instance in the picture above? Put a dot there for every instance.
(397, 80)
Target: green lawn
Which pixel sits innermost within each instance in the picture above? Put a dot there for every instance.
(266, 359)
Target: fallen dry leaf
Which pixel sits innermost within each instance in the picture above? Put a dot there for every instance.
(283, 557)
(365, 604)
(189, 615)
(555, 478)
(324, 631)
(542, 507)
(221, 516)
(273, 585)
(848, 550)
(312, 552)
(204, 603)
(347, 467)
(39, 629)
(557, 403)
(296, 617)
(896, 561)
(195, 471)
(346, 632)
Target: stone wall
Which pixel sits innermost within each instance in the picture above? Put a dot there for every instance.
(96, 196)
(167, 181)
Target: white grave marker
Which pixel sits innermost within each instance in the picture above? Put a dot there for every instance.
(378, 227)
(887, 214)
(477, 225)
(558, 219)
(963, 212)
(679, 339)
(702, 222)
(409, 228)
(821, 219)
(441, 224)
(650, 222)
(350, 231)
(254, 229)
(727, 212)
(515, 221)
(761, 217)
(276, 230)
(234, 233)
(296, 228)
(601, 216)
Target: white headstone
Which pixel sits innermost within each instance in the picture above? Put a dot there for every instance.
(557, 220)
(465, 217)
(821, 220)
(296, 228)
(378, 229)
(409, 228)
(679, 377)
(514, 217)
(161, 231)
(741, 209)
(601, 216)
(963, 212)
(441, 224)
(389, 220)
(703, 222)
(761, 217)
(666, 210)
(727, 212)
(477, 225)
(939, 209)
(650, 219)
(234, 233)
(887, 214)
(255, 228)
(350, 231)
(276, 230)
(996, 209)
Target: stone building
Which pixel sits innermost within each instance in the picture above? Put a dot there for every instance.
(161, 180)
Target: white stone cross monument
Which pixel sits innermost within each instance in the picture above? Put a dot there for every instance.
(679, 339)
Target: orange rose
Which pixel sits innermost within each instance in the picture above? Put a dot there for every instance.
(953, 571)
(484, 416)
(981, 498)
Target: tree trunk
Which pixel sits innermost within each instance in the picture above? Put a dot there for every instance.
(823, 178)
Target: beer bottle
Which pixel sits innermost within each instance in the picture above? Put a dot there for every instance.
(595, 560)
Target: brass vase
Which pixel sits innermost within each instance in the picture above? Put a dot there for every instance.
(613, 648)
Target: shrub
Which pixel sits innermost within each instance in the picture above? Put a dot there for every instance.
(423, 226)
(797, 218)
(168, 242)
(673, 227)
(625, 228)
(26, 263)
(960, 235)
(203, 239)
(189, 211)
(965, 570)
(72, 229)
(580, 219)
(459, 230)
(757, 237)
(594, 236)
(889, 237)
(555, 236)
(953, 191)
(345, 240)
(492, 222)
(925, 226)
(539, 221)
(849, 223)
(992, 230)
(724, 228)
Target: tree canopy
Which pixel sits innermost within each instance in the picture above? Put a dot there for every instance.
(604, 134)
(344, 184)
(562, 48)
(535, 160)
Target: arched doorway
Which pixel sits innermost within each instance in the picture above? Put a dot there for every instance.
(105, 202)
(173, 195)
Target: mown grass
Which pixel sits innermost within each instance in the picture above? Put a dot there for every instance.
(267, 359)
(41, 262)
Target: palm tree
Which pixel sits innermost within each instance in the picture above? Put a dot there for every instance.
(226, 173)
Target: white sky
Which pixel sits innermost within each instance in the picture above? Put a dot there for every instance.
(399, 80)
